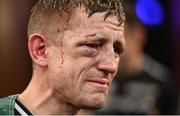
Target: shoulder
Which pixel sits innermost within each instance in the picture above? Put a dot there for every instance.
(7, 105)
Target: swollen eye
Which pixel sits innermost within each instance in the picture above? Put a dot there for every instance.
(95, 45)
(92, 45)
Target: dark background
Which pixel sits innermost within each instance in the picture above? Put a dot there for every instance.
(163, 43)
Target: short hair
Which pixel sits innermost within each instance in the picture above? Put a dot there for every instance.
(43, 9)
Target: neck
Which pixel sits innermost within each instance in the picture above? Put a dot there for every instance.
(40, 98)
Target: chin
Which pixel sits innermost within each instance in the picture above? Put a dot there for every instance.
(92, 106)
(92, 102)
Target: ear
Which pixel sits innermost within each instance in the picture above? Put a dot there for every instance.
(37, 45)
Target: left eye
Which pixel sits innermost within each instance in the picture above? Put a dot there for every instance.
(118, 50)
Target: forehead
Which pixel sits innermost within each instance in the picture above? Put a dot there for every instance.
(80, 18)
(81, 25)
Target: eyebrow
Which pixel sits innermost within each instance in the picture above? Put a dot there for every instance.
(99, 40)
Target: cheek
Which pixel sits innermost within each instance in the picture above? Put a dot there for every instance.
(80, 67)
(78, 73)
(54, 58)
(118, 61)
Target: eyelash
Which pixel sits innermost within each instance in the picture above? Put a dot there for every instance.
(117, 49)
(94, 45)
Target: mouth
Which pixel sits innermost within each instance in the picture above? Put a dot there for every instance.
(99, 81)
(101, 84)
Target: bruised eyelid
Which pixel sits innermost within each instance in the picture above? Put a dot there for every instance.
(97, 42)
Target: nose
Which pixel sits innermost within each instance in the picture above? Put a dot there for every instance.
(108, 63)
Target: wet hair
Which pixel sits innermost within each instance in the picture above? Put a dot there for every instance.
(44, 9)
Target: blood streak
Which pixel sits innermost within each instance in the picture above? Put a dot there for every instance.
(62, 52)
(65, 27)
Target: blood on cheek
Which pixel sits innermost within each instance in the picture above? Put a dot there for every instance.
(62, 53)
(61, 36)
(61, 49)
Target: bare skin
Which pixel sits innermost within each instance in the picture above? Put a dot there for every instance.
(77, 73)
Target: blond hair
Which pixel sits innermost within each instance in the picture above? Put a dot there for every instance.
(42, 13)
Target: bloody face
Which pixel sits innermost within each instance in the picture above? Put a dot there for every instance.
(82, 67)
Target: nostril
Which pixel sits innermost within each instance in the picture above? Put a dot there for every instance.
(105, 72)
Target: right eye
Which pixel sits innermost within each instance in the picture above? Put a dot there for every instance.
(94, 45)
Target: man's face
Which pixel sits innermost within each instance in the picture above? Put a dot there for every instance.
(83, 65)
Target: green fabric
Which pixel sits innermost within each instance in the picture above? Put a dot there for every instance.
(7, 105)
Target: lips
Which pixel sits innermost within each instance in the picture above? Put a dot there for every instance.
(101, 81)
